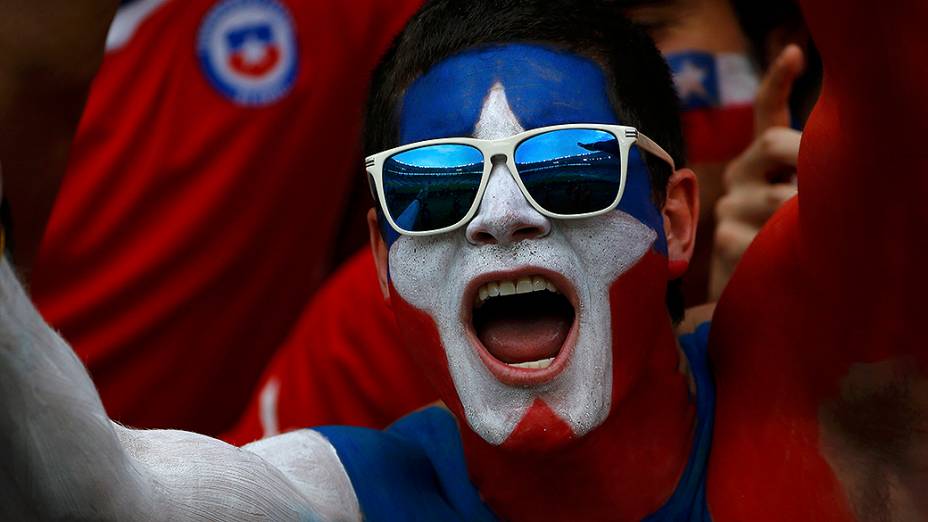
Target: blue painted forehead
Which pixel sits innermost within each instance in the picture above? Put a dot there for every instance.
(544, 86)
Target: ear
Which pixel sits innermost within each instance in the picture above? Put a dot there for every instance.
(681, 213)
(379, 249)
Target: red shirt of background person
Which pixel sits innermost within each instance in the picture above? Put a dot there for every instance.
(344, 364)
(204, 195)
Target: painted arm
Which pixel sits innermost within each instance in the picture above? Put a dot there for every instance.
(820, 359)
(49, 54)
(863, 170)
(63, 459)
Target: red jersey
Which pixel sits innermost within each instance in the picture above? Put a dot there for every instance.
(345, 364)
(206, 187)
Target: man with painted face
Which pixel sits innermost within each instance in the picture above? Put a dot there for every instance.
(532, 293)
(508, 289)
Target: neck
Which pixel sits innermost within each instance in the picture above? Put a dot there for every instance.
(626, 468)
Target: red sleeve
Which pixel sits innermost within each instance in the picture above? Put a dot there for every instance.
(833, 283)
(200, 207)
(344, 364)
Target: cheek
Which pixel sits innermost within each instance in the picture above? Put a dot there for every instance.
(420, 336)
(637, 200)
(639, 319)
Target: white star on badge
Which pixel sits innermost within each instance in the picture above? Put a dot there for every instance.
(253, 50)
(689, 81)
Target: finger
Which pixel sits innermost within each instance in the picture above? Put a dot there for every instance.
(753, 205)
(776, 149)
(771, 106)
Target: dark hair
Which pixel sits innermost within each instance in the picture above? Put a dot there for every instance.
(641, 93)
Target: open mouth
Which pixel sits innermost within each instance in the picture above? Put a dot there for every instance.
(523, 325)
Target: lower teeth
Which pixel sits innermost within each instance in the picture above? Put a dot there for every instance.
(534, 365)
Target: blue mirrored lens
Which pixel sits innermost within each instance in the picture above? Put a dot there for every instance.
(570, 171)
(431, 187)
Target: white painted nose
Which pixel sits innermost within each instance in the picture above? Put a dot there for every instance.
(505, 216)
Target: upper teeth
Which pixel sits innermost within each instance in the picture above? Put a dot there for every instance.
(540, 364)
(522, 285)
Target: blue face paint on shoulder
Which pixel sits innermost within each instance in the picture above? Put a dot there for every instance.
(544, 86)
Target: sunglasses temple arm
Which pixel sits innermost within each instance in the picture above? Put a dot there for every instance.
(648, 144)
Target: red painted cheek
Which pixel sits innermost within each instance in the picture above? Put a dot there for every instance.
(639, 322)
(420, 336)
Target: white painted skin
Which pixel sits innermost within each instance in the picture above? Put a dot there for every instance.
(432, 273)
(64, 459)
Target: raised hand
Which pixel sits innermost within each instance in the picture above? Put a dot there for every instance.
(762, 178)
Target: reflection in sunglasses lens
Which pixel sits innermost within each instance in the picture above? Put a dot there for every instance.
(570, 171)
(431, 187)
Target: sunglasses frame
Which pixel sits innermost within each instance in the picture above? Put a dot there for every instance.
(626, 137)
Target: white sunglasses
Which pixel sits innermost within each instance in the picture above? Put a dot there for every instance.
(568, 171)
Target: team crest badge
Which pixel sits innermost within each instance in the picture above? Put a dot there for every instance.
(248, 51)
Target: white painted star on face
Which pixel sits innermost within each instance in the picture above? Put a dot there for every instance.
(504, 124)
(689, 81)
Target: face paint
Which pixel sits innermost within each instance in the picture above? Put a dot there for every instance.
(717, 102)
(553, 395)
(542, 87)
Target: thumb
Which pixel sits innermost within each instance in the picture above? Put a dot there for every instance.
(771, 107)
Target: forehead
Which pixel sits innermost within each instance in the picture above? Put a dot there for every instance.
(543, 86)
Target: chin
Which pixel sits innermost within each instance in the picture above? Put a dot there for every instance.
(518, 338)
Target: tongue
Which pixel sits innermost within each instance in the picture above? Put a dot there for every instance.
(516, 339)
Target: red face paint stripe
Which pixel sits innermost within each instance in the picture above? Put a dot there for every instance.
(540, 430)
